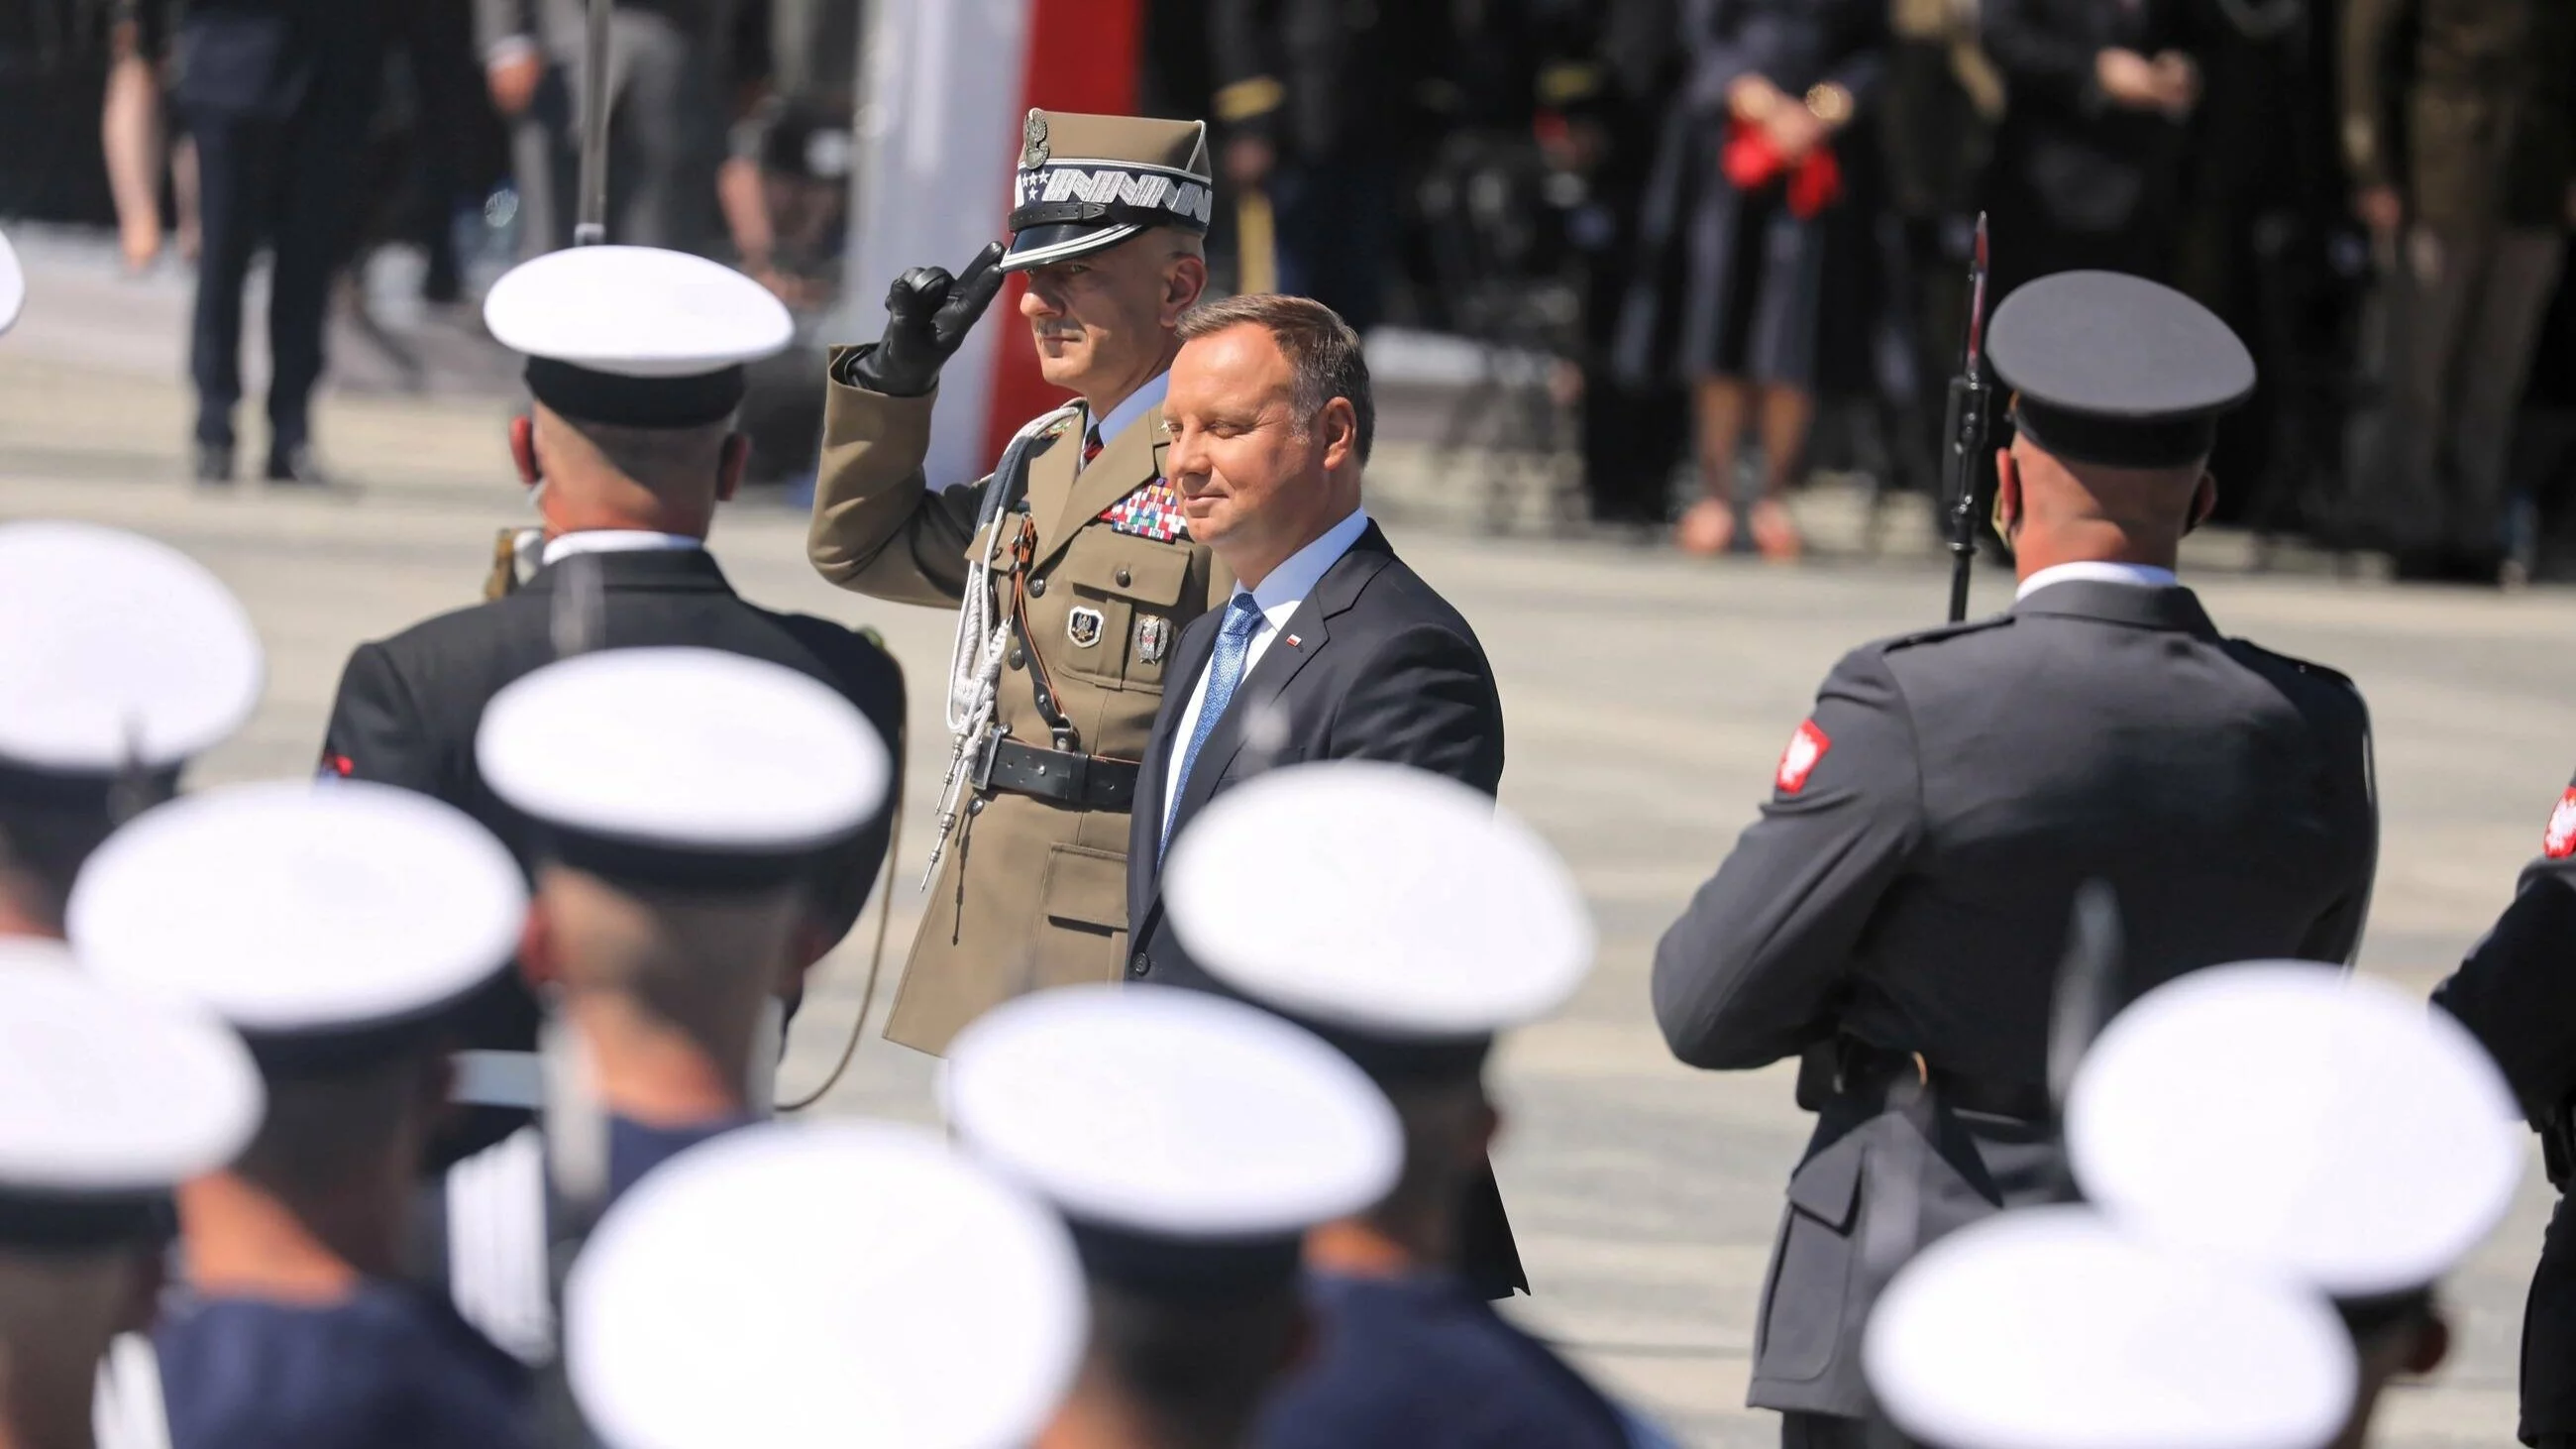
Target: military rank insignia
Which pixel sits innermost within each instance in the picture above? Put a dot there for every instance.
(2559, 841)
(1153, 638)
(1153, 511)
(1083, 625)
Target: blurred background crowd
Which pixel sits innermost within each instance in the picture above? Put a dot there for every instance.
(1701, 251)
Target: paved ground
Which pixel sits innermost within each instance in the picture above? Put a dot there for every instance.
(1648, 698)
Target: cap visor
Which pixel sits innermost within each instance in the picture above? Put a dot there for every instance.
(1040, 245)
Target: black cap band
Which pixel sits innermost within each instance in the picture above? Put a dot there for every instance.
(1101, 194)
(85, 1222)
(588, 395)
(2169, 442)
(1199, 1270)
(678, 867)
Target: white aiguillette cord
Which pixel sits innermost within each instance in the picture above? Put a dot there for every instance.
(983, 636)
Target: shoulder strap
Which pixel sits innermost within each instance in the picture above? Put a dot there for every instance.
(128, 1410)
(499, 1272)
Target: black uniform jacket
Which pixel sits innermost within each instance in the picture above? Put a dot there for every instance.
(2517, 992)
(1907, 890)
(2064, 157)
(1381, 668)
(409, 706)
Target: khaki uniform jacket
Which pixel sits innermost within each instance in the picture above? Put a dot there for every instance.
(1030, 893)
(2466, 106)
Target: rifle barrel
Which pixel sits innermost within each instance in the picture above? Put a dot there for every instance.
(592, 226)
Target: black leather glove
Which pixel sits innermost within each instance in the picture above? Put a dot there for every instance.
(928, 314)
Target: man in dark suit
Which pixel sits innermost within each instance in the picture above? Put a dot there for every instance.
(276, 94)
(1897, 915)
(2087, 161)
(2517, 992)
(630, 470)
(1330, 648)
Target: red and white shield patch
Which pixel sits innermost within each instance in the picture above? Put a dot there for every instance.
(1808, 746)
(2559, 841)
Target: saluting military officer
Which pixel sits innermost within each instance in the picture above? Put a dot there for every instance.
(1074, 583)
(1898, 913)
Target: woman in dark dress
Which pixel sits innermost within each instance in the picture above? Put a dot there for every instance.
(1740, 236)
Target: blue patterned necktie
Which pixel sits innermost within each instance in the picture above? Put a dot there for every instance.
(1225, 671)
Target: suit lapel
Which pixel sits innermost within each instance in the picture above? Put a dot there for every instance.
(1310, 626)
(1189, 660)
(1128, 462)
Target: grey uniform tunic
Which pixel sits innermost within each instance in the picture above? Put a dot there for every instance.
(1907, 891)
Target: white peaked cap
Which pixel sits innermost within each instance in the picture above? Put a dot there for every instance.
(301, 910)
(858, 1284)
(2047, 1328)
(2297, 1116)
(693, 750)
(115, 651)
(13, 286)
(635, 312)
(1378, 898)
(106, 1093)
(1171, 1113)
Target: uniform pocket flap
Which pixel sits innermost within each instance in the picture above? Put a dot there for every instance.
(1086, 886)
(1826, 1187)
(1149, 573)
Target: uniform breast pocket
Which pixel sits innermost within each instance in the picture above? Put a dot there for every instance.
(1120, 608)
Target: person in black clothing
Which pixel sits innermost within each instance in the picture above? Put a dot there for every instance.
(276, 94)
(629, 472)
(2087, 161)
(2516, 992)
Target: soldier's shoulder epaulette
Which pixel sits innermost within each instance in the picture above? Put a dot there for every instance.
(2303, 666)
(1938, 634)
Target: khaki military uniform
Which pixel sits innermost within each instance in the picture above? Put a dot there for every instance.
(1032, 891)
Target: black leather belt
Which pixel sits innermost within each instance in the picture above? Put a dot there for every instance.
(1872, 1070)
(1086, 781)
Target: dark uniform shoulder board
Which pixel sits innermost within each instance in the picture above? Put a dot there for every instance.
(1946, 631)
(2559, 841)
(2304, 666)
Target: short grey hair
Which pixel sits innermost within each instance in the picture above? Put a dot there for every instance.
(1323, 353)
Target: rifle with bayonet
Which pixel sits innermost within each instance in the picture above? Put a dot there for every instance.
(1964, 427)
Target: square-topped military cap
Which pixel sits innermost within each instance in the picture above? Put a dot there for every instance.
(1087, 183)
(2117, 370)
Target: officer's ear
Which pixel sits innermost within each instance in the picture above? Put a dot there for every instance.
(2204, 500)
(2007, 494)
(1339, 426)
(540, 965)
(523, 449)
(730, 462)
(1185, 279)
(2432, 1345)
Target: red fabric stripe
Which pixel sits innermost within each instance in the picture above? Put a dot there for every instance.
(1082, 56)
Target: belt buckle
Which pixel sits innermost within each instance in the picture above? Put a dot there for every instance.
(980, 774)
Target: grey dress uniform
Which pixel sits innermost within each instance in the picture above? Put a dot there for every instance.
(1032, 889)
(1898, 914)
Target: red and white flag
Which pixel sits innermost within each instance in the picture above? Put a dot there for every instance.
(947, 86)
